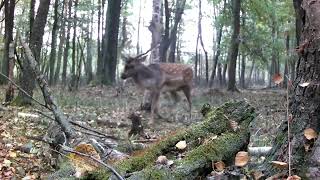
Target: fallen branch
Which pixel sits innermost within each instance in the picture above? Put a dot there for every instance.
(81, 126)
(48, 98)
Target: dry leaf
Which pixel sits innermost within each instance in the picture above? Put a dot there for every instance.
(234, 125)
(162, 160)
(12, 154)
(242, 158)
(305, 84)
(277, 78)
(307, 147)
(181, 145)
(257, 175)
(294, 177)
(219, 166)
(81, 163)
(279, 164)
(309, 133)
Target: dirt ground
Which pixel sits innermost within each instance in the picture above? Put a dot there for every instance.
(107, 109)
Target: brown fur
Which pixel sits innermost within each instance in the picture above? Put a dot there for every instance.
(162, 77)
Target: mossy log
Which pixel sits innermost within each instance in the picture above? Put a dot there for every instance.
(213, 139)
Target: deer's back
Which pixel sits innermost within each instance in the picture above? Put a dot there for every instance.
(178, 70)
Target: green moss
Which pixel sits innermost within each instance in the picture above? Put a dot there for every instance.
(216, 121)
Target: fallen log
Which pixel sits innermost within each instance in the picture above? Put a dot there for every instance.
(214, 139)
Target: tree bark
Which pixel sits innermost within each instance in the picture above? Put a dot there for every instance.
(8, 38)
(89, 49)
(66, 49)
(62, 39)
(28, 79)
(234, 46)
(155, 28)
(53, 53)
(99, 58)
(111, 41)
(304, 103)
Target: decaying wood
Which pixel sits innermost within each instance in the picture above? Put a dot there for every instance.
(48, 98)
(211, 140)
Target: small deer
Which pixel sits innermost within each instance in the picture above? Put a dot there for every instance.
(157, 78)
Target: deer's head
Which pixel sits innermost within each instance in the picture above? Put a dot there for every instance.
(131, 66)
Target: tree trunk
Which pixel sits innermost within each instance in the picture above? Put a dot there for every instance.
(111, 41)
(62, 39)
(198, 154)
(155, 28)
(286, 66)
(138, 31)
(170, 35)
(304, 103)
(8, 38)
(216, 57)
(66, 49)
(31, 16)
(99, 60)
(55, 27)
(89, 49)
(74, 48)
(249, 83)
(243, 71)
(224, 74)
(28, 78)
(234, 46)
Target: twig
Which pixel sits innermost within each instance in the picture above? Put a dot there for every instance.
(79, 125)
(67, 149)
(22, 90)
(288, 119)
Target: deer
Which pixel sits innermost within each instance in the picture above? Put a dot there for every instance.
(159, 78)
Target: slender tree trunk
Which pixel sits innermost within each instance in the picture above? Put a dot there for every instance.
(286, 66)
(220, 75)
(224, 74)
(8, 38)
(89, 49)
(216, 57)
(28, 78)
(55, 29)
(243, 71)
(202, 45)
(138, 34)
(62, 39)
(155, 28)
(31, 16)
(73, 65)
(249, 83)
(234, 46)
(99, 60)
(66, 50)
(111, 41)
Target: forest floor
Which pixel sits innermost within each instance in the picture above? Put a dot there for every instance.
(107, 109)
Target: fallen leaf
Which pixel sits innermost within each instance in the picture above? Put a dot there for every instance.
(257, 175)
(162, 160)
(219, 166)
(305, 84)
(279, 164)
(242, 158)
(12, 154)
(309, 133)
(294, 177)
(181, 145)
(277, 78)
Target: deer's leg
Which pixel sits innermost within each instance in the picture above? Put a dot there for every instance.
(154, 105)
(187, 92)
